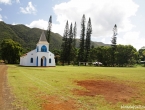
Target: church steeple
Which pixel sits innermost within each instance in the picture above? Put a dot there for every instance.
(43, 39)
(42, 45)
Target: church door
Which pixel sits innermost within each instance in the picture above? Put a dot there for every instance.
(41, 61)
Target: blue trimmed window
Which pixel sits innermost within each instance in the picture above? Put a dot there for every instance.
(43, 48)
(31, 60)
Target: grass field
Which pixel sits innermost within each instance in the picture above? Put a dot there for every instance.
(77, 88)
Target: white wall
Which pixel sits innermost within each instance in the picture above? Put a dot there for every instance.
(31, 54)
(26, 60)
(51, 55)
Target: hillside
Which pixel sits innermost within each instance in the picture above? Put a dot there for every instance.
(28, 37)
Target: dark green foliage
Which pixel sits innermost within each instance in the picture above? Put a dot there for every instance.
(6, 32)
(68, 51)
(48, 36)
(70, 47)
(74, 52)
(0, 54)
(74, 35)
(141, 55)
(85, 43)
(64, 46)
(57, 55)
(81, 55)
(101, 54)
(125, 55)
(10, 51)
(75, 55)
(88, 40)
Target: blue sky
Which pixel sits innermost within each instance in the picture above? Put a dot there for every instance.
(127, 14)
(11, 10)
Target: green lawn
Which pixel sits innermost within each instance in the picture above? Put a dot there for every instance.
(30, 84)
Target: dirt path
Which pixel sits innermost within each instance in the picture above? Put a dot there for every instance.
(5, 96)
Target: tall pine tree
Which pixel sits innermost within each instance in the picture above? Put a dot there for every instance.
(74, 35)
(74, 52)
(70, 40)
(64, 46)
(88, 40)
(49, 29)
(113, 41)
(81, 54)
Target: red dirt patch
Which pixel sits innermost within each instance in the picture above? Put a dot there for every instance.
(112, 91)
(54, 103)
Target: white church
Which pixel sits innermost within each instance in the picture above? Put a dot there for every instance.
(41, 56)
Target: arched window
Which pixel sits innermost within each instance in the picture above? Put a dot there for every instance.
(31, 60)
(50, 60)
(43, 48)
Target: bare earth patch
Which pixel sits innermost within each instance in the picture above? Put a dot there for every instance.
(55, 103)
(112, 91)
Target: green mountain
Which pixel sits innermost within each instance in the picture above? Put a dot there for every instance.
(28, 37)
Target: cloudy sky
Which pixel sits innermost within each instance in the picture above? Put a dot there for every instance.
(104, 14)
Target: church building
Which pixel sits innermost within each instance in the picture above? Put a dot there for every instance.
(41, 56)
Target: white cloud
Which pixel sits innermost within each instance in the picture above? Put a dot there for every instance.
(38, 24)
(17, 1)
(0, 9)
(5, 1)
(104, 14)
(5, 17)
(42, 24)
(30, 9)
(14, 23)
(8, 1)
(1, 17)
(129, 38)
(132, 38)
